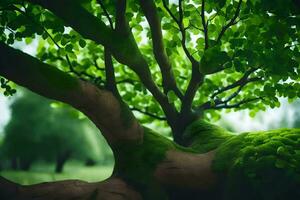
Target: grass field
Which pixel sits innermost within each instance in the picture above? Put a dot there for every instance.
(44, 173)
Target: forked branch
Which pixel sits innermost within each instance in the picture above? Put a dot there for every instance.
(242, 81)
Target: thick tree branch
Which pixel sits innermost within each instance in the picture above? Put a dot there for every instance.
(99, 105)
(150, 11)
(110, 189)
(92, 28)
(87, 25)
(122, 25)
(231, 22)
(189, 170)
(193, 86)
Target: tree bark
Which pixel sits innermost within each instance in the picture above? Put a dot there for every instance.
(111, 189)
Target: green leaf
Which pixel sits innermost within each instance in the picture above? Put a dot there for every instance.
(186, 22)
(69, 48)
(171, 96)
(82, 43)
(212, 60)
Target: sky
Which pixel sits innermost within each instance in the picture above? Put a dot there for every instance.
(4, 101)
(241, 121)
(4, 111)
(264, 120)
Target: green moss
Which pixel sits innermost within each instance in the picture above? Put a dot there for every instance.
(138, 161)
(263, 165)
(258, 165)
(204, 136)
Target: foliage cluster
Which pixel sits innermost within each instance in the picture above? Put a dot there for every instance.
(248, 51)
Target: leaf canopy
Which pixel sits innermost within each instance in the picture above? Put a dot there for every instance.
(247, 50)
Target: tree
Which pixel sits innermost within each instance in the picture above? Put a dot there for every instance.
(173, 61)
(32, 137)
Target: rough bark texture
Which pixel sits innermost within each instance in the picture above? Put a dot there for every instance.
(111, 189)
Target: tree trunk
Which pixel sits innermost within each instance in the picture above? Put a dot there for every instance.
(25, 164)
(61, 160)
(14, 163)
(90, 162)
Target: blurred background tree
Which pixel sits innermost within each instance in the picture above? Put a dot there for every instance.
(31, 135)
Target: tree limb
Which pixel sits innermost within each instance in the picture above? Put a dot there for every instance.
(190, 93)
(241, 87)
(99, 105)
(122, 25)
(110, 189)
(150, 11)
(147, 113)
(236, 105)
(87, 25)
(106, 13)
(243, 80)
(197, 77)
(110, 74)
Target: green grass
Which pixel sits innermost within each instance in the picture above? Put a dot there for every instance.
(44, 173)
